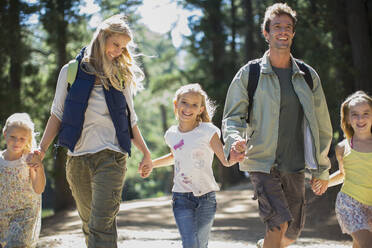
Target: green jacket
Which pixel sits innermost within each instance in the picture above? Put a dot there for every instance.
(262, 132)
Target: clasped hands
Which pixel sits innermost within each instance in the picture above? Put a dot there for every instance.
(237, 153)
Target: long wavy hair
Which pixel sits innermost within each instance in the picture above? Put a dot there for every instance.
(357, 97)
(209, 107)
(22, 120)
(123, 70)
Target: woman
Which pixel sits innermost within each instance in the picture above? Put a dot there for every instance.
(96, 121)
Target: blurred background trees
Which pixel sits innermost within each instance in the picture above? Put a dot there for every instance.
(39, 37)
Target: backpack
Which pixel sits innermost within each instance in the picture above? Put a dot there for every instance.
(72, 69)
(254, 75)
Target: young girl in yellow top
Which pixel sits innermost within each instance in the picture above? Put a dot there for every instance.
(354, 155)
(21, 184)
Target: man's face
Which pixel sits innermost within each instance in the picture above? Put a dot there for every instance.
(281, 33)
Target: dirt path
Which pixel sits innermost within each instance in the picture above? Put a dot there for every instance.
(149, 223)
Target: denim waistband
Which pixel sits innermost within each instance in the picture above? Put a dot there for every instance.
(190, 195)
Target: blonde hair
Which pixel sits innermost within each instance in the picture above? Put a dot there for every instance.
(357, 97)
(278, 9)
(123, 70)
(22, 120)
(209, 107)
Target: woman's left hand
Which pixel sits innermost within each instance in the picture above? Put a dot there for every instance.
(145, 167)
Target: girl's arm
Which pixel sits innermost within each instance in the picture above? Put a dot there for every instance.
(217, 147)
(37, 174)
(338, 176)
(51, 131)
(165, 160)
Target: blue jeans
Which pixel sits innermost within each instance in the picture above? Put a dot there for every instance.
(194, 217)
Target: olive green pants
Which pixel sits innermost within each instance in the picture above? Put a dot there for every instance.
(96, 181)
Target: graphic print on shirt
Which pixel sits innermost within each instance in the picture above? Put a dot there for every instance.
(197, 158)
(179, 145)
(186, 180)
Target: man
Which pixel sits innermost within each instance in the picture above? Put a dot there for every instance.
(289, 128)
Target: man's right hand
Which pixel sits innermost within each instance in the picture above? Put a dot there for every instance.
(237, 151)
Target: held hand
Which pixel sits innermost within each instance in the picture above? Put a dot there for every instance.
(239, 146)
(145, 167)
(237, 151)
(33, 160)
(319, 186)
(146, 170)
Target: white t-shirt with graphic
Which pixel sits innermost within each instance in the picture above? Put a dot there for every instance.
(193, 157)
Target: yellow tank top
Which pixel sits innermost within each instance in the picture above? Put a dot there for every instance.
(358, 174)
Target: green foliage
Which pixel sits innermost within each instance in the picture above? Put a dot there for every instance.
(224, 38)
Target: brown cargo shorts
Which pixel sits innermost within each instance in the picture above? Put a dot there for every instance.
(281, 198)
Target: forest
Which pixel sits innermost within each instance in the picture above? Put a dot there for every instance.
(333, 36)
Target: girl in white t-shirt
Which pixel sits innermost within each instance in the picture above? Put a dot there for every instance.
(193, 143)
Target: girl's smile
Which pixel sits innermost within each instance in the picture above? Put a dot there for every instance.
(188, 107)
(360, 117)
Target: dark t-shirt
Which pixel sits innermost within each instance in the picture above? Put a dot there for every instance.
(290, 147)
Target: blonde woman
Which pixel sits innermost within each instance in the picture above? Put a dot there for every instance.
(96, 121)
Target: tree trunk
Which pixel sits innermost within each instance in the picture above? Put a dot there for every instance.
(63, 195)
(341, 43)
(220, 75)
(249, 30)
(233, 36)
(55, 13)
(15, 54)
(163, 112)
(360, 43)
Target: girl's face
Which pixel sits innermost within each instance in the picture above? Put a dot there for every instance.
(16, 139)
(115, 45)
(189, 106)
(360, 117)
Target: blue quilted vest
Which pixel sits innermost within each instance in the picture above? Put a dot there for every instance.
(76, 104)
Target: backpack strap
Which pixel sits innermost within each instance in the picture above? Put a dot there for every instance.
(254, 76)
(72, 69)
(303, 67)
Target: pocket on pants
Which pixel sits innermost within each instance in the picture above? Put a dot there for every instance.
(211, 200)
(121, 161)
(266, 211)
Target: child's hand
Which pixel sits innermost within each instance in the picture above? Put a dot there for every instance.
(145, 167)
(145, 170)
(237, 151)
(33, 160)
(319, 186)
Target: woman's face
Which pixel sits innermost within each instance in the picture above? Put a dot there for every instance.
(115, 45)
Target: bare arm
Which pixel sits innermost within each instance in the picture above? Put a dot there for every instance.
(37, 174)
(141, 145)
(165, 160)
(51, 131)
(320, 186)
(338, 176)
(217, 147)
